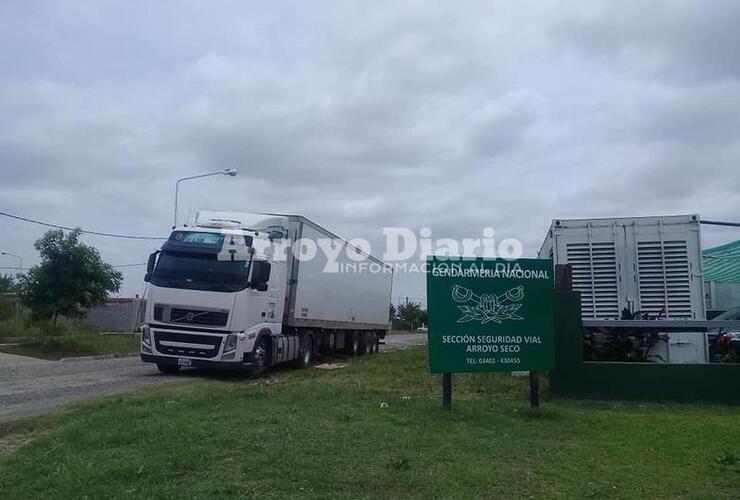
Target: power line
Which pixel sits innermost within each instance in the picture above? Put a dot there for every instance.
(116, 265)
(95, 233)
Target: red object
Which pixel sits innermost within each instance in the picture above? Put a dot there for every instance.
(724, 341)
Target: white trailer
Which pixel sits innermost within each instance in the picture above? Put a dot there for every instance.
(249, 291)
(650, 265)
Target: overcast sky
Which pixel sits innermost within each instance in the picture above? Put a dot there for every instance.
(360, 115)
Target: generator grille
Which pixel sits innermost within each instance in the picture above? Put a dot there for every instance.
(664, 278)
(594, 267)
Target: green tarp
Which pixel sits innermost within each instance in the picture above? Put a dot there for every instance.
(722, 263)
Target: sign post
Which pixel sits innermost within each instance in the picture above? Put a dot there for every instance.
(447, 391)
(488, 315)
(534, 389)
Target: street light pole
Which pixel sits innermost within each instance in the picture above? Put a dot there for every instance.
(20, 259)
(227, 171)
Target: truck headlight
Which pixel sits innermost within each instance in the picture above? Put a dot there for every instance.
(146, 335)
(230, 342)
(146, 339)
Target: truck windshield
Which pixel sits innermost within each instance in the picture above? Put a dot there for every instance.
(199, 271)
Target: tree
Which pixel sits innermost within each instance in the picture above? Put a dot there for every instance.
(423, 317)
(409, 312)
(391, 311)
(7, 284)
(413, 313)
(7, 287)
(70, 280)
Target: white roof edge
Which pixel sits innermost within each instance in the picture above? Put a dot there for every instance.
(244, 220)
(690, 217)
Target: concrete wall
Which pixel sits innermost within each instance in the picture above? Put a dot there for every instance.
(118, 315)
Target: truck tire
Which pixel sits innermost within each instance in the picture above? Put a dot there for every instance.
(260, 357)
(367, 342)
(328, 343)
(168, 369)
(305, 351)
(352, 343)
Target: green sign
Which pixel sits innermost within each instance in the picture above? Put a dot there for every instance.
(490, 314)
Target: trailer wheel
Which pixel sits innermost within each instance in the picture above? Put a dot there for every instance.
(352, 343)
(260, 357)
(305, 351)
(168, 369)
(328, 342)
(367, 343)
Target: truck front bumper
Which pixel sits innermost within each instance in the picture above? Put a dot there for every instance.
(197, 363)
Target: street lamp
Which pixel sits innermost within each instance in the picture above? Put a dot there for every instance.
(20, 259)
(227, 171)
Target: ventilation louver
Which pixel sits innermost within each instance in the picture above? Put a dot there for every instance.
(595, 276)
(664, 278)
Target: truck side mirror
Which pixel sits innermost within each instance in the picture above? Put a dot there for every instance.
(260, 275)
(150, 266)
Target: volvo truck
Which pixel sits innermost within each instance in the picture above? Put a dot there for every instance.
(250, 291)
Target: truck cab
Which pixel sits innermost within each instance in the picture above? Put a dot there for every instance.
(210, 296)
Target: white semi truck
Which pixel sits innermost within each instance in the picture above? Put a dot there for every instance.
(250, 291)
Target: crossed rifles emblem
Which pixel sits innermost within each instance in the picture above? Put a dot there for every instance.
(488, 308)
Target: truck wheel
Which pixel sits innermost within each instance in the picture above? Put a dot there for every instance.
(260, 357)
(352, 343)
(328, 343)
(305, 352)
(367, 343)
(168, 369)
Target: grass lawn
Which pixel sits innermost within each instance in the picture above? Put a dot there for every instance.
(67, 346)
(325, 434)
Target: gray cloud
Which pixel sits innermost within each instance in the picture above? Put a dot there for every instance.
(364, 115)
(684, 41)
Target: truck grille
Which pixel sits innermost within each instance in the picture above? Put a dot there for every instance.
(186, 316)
(201, 346)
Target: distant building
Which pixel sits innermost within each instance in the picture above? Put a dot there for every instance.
(721, 277)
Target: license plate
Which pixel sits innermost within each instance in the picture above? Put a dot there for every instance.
(184, 362)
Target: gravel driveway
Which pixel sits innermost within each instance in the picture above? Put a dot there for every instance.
(30, 386)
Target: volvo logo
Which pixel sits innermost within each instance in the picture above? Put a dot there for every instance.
(189, 316)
